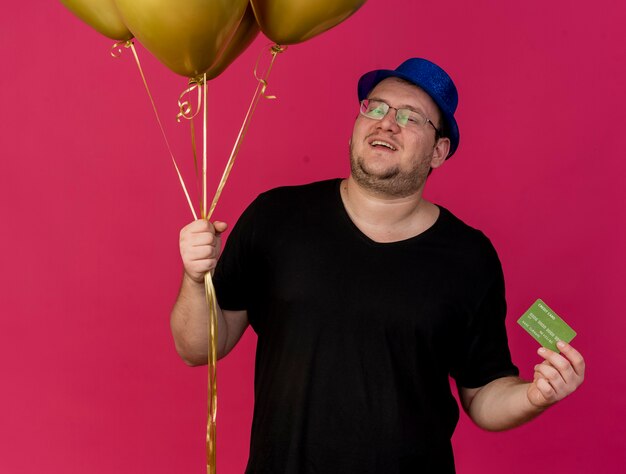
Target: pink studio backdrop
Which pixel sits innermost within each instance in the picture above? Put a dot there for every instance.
(91, 211)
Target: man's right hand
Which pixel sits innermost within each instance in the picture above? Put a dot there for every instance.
(200, 247)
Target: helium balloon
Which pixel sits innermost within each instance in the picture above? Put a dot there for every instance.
(246, 33)
(101, 15)
(294, 21)
(187, 36)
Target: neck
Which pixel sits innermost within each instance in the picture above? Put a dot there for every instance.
(387, 218)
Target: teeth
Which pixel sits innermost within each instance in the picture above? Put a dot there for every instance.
(378, 142)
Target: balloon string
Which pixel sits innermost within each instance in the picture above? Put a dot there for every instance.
(209, 289)
(208, 282)
(116, 52)
(212, 378)
(204, 145)
(258, 93)
(192, 130)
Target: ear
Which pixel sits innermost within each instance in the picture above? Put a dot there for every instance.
(440, 152)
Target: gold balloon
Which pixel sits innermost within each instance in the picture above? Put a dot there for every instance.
(187, 36)
(102, 15)
(246, 32)
(294, 21)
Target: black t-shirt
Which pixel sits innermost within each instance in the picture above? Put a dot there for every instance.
(356, 339)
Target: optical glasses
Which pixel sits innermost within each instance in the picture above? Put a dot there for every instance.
(405, 118)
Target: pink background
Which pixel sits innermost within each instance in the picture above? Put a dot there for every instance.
(91, 211)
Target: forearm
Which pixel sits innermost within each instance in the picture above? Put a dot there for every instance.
(189, 323)
(502, 404)
(509, 402)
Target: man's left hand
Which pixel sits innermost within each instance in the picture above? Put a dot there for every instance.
(557, 376)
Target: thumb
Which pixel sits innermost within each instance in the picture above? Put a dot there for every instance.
(220, 227)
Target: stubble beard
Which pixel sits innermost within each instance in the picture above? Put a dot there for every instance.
(392, 182)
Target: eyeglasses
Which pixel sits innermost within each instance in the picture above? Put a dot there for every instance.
(405, 118)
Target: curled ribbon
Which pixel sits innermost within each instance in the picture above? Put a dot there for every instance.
(116, 49)
(184, 105)
(275, 50)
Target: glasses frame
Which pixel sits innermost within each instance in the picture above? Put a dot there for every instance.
(363, 106)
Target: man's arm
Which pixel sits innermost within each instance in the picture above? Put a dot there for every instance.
(509, 401)
(200, 246)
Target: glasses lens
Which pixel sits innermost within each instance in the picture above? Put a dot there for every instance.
(403, 116)
(374, 109)
(410, 117)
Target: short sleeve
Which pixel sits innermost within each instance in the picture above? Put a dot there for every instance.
(484, 353)
(233, 274)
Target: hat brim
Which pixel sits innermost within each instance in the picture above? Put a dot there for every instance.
(369, 80)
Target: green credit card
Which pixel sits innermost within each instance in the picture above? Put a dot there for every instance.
(545, 326)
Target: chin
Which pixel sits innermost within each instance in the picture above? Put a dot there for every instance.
(392, 184)
(388, 181)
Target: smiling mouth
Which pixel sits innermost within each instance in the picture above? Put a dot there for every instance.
(380, 143)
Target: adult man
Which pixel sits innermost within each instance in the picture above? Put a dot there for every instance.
(365, 298)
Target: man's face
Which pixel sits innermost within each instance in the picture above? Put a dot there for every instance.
(391, 160)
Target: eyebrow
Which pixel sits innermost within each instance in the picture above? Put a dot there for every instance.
(405, 106)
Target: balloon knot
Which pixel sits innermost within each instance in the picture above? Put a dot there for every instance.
(277, 49)
(116, 49)
(199, 80)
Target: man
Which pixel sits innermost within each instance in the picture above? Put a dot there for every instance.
(365, 297)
